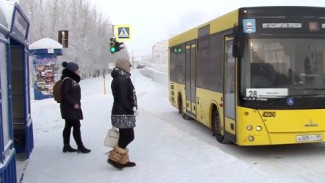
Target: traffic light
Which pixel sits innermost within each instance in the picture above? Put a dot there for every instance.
(112, 45)
(115, 46)
(63, 38)
(118, 46)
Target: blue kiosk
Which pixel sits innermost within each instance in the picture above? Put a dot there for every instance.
(16, 127)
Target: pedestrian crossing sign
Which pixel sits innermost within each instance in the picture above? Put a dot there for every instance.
(123, 32)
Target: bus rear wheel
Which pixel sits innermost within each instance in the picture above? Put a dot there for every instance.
(217, 129)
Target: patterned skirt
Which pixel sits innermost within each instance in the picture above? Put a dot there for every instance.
(123, 121)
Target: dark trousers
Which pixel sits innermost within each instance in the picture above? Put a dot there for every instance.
(126, 137)
(76, 132)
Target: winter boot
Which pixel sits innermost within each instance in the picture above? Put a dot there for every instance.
(82, 149)
(119, 158)
(68, 148)
(114, 157)
(115, 164)
(125, 159)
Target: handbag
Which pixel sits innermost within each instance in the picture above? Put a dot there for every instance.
(112, 137)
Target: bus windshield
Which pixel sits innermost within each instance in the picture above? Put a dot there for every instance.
(278, 68)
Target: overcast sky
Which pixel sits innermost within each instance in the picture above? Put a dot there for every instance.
(155, 20)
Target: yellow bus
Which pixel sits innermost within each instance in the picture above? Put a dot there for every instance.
(255, 76)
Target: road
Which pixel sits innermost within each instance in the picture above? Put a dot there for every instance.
(291, 163)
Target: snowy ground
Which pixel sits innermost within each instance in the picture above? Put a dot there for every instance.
(166, 148)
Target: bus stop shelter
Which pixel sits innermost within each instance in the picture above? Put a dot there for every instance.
(16, 127)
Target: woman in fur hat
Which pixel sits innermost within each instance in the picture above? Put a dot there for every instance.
(123, 113)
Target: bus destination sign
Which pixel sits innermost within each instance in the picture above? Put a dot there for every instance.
(282, 26)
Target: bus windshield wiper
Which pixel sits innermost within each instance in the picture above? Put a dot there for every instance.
(300, 88)
(307, 95)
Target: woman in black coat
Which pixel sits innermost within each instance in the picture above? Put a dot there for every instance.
(124, 108)
(70, 107)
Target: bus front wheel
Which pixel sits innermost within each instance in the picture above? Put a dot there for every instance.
(181, 110)
(217, 129)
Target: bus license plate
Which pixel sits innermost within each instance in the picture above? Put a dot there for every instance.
(309, 138)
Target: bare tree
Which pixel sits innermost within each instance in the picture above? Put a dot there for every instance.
(89, 31)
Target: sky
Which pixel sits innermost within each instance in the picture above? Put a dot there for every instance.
(166, 147)
(152, 21)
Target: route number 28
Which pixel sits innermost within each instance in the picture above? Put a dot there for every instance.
(252, 93)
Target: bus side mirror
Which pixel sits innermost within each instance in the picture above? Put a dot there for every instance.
(238, 42)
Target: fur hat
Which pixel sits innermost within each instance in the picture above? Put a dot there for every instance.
(70, 66)
(123, 63)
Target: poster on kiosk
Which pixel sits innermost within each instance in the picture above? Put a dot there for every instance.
(45, 64)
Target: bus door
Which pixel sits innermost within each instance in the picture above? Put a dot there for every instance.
(190, 75)
(229, 89)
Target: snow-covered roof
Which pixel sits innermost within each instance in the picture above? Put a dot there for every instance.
(6, 13)
(46, 46)
(45, 43)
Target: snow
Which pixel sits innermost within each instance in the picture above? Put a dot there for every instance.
(7, 8)
(45, 43)
(164, 149)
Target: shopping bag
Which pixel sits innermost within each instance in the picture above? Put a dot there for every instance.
(112, 137)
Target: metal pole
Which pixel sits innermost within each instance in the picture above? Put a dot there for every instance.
(104, 83)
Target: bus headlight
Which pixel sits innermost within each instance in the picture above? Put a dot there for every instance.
(258, 128)
(249, 127)
(251, 138)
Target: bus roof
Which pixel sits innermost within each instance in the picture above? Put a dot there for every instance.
(227, 21)
(221, 23)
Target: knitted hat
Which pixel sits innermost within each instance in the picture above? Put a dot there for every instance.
(70, 66)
